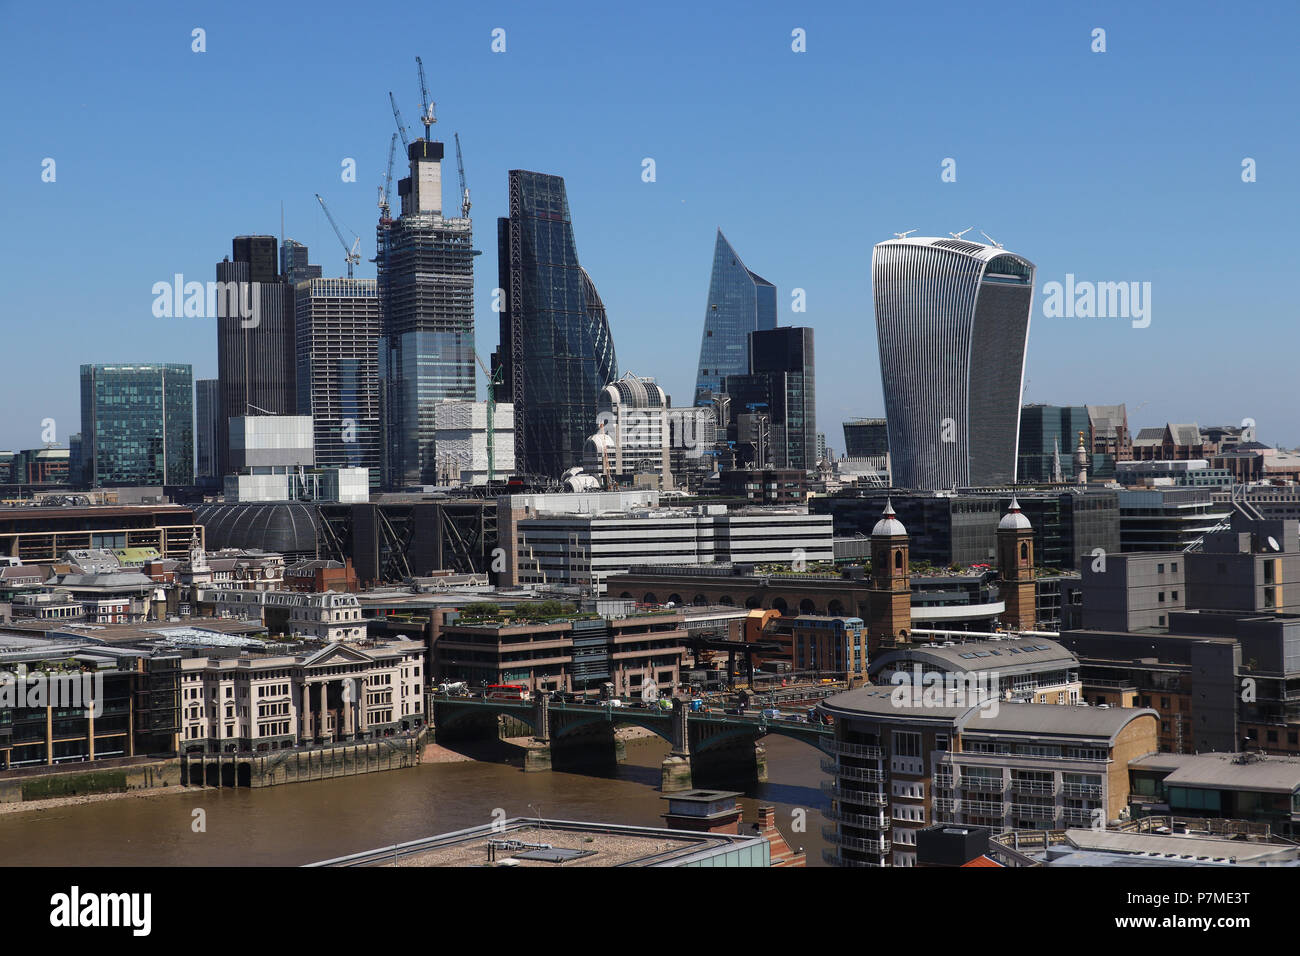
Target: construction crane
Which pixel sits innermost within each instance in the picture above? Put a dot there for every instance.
(464, 190)
(388, 180)
(492, 382)
(401, 127)
(426, 106)
(352, 255)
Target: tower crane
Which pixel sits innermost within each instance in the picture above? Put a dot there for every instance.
(464, 190)
(426, 106)
(401, 127)
(388, 180)
(352, 255)
(492, 382)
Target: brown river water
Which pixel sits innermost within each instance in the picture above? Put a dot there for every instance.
(306, 822)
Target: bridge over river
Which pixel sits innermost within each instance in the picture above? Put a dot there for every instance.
(705, 744)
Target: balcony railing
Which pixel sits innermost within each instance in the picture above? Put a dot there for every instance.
(869, 798)
(882, 845)
(1082, 790)
(1034, 811)
(866, 798)
(835, 769)
(873, 822)
(836, 859)
(1044, 787)
(1079, 815)
(945, 805)
(833, 746)
(986, 784)
(983, 808)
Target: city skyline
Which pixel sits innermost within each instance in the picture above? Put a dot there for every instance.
(1103, 205)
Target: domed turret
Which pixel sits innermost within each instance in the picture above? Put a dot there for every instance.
(888, 523)
(1013, 520)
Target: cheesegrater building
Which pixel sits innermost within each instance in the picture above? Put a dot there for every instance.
(740, 302)
(952, 321)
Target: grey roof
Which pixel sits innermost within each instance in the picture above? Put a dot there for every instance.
(1188, 847)
(1051, 720)
(105, 582)
(1012, 656)
(1222, 771)
(1054, 720)
(1106, 418)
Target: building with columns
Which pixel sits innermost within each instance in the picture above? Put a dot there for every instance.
(334, 693)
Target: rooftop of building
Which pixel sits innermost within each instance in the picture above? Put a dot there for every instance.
(1008, 717)
(145, 634)
(1225, 771)
(1005, 654)
(1088, 847)
(551, 843)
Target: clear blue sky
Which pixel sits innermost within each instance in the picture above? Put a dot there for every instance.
(1115, 166)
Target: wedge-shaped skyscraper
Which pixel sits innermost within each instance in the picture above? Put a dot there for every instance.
(740, 302)
(952, 320)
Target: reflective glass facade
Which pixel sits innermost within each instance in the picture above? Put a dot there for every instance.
(338, 378)
(556, 351)
(740, 302)
(137, 424)
(952, 322)
(1043, 430)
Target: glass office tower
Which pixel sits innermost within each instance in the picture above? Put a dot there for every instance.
(338, 379)
(137, 424)
(556, 352)
(782, 377)
(1048, 436)
(952, 322)
(740, 302)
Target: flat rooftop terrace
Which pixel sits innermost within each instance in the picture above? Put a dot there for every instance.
(571, 843)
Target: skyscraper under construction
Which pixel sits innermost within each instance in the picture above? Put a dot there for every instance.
(425, 271)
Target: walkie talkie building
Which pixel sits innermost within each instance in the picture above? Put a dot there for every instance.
(952, 320)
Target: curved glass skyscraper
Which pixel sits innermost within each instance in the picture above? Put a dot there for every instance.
(556, 353)
(952, 319)
(740, 302)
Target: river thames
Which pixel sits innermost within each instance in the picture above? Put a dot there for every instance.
(305, 822)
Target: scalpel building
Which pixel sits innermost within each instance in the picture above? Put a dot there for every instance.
(952, 320)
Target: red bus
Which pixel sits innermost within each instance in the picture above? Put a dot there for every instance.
(508, 692)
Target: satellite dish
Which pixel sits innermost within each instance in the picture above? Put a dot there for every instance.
(1272, 543)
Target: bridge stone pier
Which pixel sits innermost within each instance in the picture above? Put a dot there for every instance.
(706, 749)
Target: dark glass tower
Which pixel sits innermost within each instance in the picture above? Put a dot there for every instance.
(556, 353)
(781, 375)
(207, 399)
(137, 424)
(1048, 437)
(255, 355)
(425, 269)
(740, 302)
